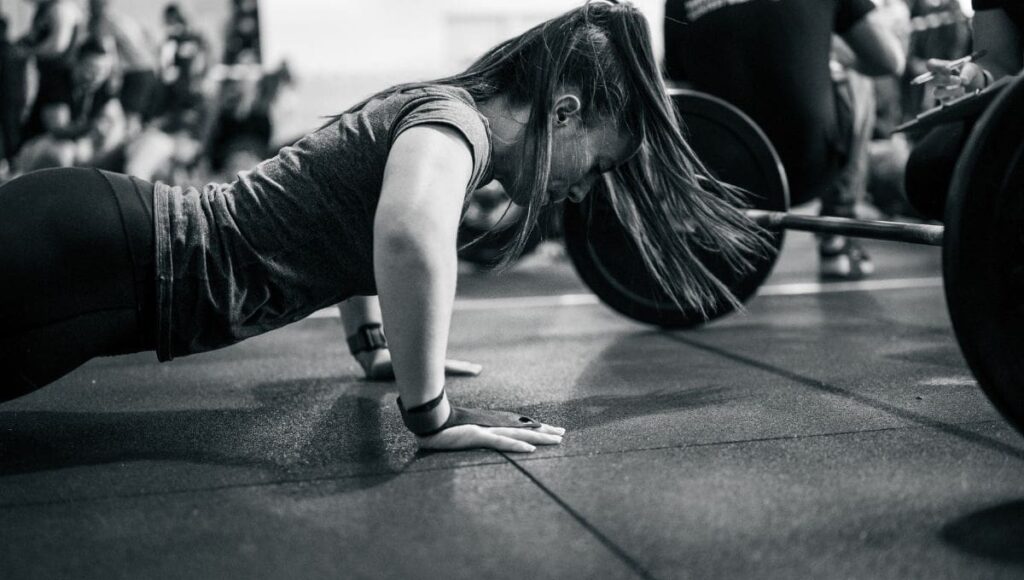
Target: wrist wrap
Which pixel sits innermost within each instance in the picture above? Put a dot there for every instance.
(437, 415)
(368, 337)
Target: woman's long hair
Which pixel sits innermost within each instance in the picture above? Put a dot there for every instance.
(664, 196)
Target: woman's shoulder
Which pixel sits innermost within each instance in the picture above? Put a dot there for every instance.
(449, 106)
(408, 98)
(392, 112)
(382, 118)
(446, 91)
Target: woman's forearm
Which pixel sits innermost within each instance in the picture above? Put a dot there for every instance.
(414, 249)
(358, 311)
(416, 276)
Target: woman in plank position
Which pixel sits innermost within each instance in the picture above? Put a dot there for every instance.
(97, 264)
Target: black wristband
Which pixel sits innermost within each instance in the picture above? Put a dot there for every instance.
(437, 415)
(368, 337)
(429, 418)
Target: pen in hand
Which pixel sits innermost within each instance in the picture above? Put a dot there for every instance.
(953, 65)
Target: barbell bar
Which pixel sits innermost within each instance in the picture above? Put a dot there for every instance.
(924, 234)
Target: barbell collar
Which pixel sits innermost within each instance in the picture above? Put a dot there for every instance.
(925, 234)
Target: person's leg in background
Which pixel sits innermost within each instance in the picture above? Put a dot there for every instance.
(841, 257)
(888, 151)
(888, 161)
(74, 257)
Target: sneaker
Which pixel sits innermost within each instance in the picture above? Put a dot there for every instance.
(841, 258)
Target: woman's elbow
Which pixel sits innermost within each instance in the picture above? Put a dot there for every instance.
(413, 246)
(394, 244)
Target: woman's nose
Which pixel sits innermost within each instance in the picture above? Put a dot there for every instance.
(579, 191)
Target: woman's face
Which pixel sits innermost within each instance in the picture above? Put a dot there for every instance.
(580, 154)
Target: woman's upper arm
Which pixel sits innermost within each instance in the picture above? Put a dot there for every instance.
(425, 181)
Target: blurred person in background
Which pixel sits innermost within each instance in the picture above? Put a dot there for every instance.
(136, 60)
(175, 135)
(13, 99)
(939, 30)
(242, 38)
(998, 29)
(865, 104)
(241, 131)
(184, 60)
(885, 153)
(6, 141)
(771, 58)
(87, 125)
(57, 29)
(929, 29)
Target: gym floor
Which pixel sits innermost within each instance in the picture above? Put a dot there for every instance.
(830, 432)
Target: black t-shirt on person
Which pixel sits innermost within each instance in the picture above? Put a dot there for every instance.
(771, 59)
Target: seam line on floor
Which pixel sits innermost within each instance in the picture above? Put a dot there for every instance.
(617, 550)
(741, 441)
(889, 408)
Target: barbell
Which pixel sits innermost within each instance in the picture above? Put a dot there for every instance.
(982, 240)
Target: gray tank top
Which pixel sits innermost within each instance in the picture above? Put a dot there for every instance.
(295, 234)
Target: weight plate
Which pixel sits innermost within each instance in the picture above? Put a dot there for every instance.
(983, 252)
(732, 146)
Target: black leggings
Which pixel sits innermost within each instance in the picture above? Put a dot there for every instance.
(77, 273)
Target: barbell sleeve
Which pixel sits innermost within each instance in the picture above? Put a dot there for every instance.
(926, 234)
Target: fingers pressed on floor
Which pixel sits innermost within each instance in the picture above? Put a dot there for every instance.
(544, 428)
(495, 441)
(458, 367)
(531, 436)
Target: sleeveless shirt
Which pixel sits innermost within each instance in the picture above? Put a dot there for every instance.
(295, 234)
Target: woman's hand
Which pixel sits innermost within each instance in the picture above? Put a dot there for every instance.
(512, 439)
(377, 366)
(951, 83)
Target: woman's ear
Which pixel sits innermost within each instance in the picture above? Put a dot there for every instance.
(566, 107)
